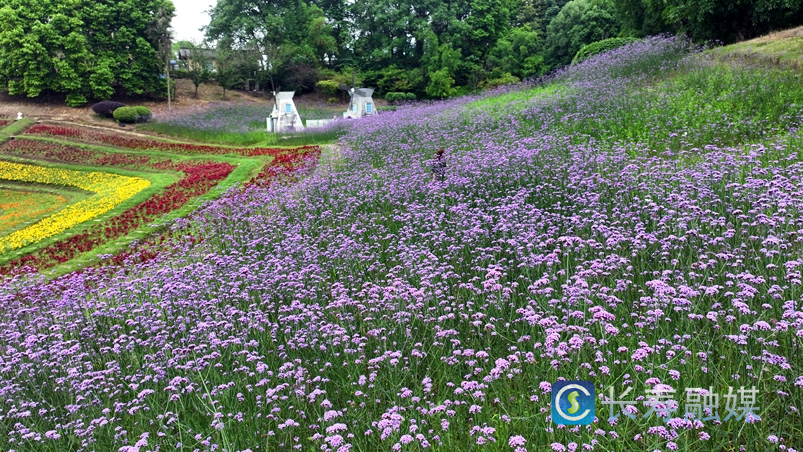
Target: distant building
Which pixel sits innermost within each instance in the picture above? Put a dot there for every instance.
(209, 55)
(362, 104)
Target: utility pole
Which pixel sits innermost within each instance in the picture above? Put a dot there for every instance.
(167, 69)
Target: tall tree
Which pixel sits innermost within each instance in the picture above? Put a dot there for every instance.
(83, 49)
(731, 20)
(158, 30)
(294, 37)
(517, 54)
(580, 22)
(198, 64)
(231, 66)
(640, 18)
(338, 16)
(530, 13)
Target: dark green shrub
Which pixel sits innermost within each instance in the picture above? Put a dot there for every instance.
(144, 114)
(126, 114)
(595, 48)
(106, 108)
(328, 87)
(504, 78)
(394, 96)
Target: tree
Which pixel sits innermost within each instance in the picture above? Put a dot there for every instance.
(530, 13)
(551, 10)
(158, 30)
(230, 66)
(703, 20)
(82, 49)
(731, 20)
(440, 84)
(291, 39)
(517, 54)
(338, 18)
(320, 34)
(198, 64)
(580, 22)
(640, 18)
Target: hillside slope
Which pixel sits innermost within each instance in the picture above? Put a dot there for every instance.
(783, 48)
(636, 224)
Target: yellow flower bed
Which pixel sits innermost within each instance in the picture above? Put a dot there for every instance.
(110, 190)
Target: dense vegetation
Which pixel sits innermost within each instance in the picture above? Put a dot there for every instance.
(86, 49)
(439, 49)
(432, 48)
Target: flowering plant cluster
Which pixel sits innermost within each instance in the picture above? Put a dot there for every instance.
(70, 153)
(109, 190)
(286, 166)
(198, 178)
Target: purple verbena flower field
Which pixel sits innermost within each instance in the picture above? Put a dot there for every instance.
(236, 123)
(634, 221)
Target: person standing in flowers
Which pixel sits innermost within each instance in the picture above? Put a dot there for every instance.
(438, 167)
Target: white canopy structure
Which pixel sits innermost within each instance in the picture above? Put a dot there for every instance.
(361, 104)
(285, 117)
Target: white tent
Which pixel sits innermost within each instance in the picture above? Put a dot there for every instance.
(285, 117)
(362, 104)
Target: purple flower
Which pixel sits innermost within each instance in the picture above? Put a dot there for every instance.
(516, 441)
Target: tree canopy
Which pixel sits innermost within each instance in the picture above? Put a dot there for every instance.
(578, 23)
(82, 48)
(432, 48)
(437, 49)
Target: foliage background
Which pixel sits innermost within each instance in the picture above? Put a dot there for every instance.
(431, 48)
(87, 49)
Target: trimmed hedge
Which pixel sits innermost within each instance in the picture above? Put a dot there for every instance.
(144, 114)
(595, 48)
(132, 114)
(398, 97)
(126, 114)
(106, 108)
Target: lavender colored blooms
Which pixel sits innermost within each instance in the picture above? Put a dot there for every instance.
(366, 308)
(517, 441)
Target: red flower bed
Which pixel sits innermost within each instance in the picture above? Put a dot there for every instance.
(4, 122)
(284, 165)
(62, 153)
(199, 178)
(147, 144)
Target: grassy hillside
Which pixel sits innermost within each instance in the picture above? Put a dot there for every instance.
(783, 48)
